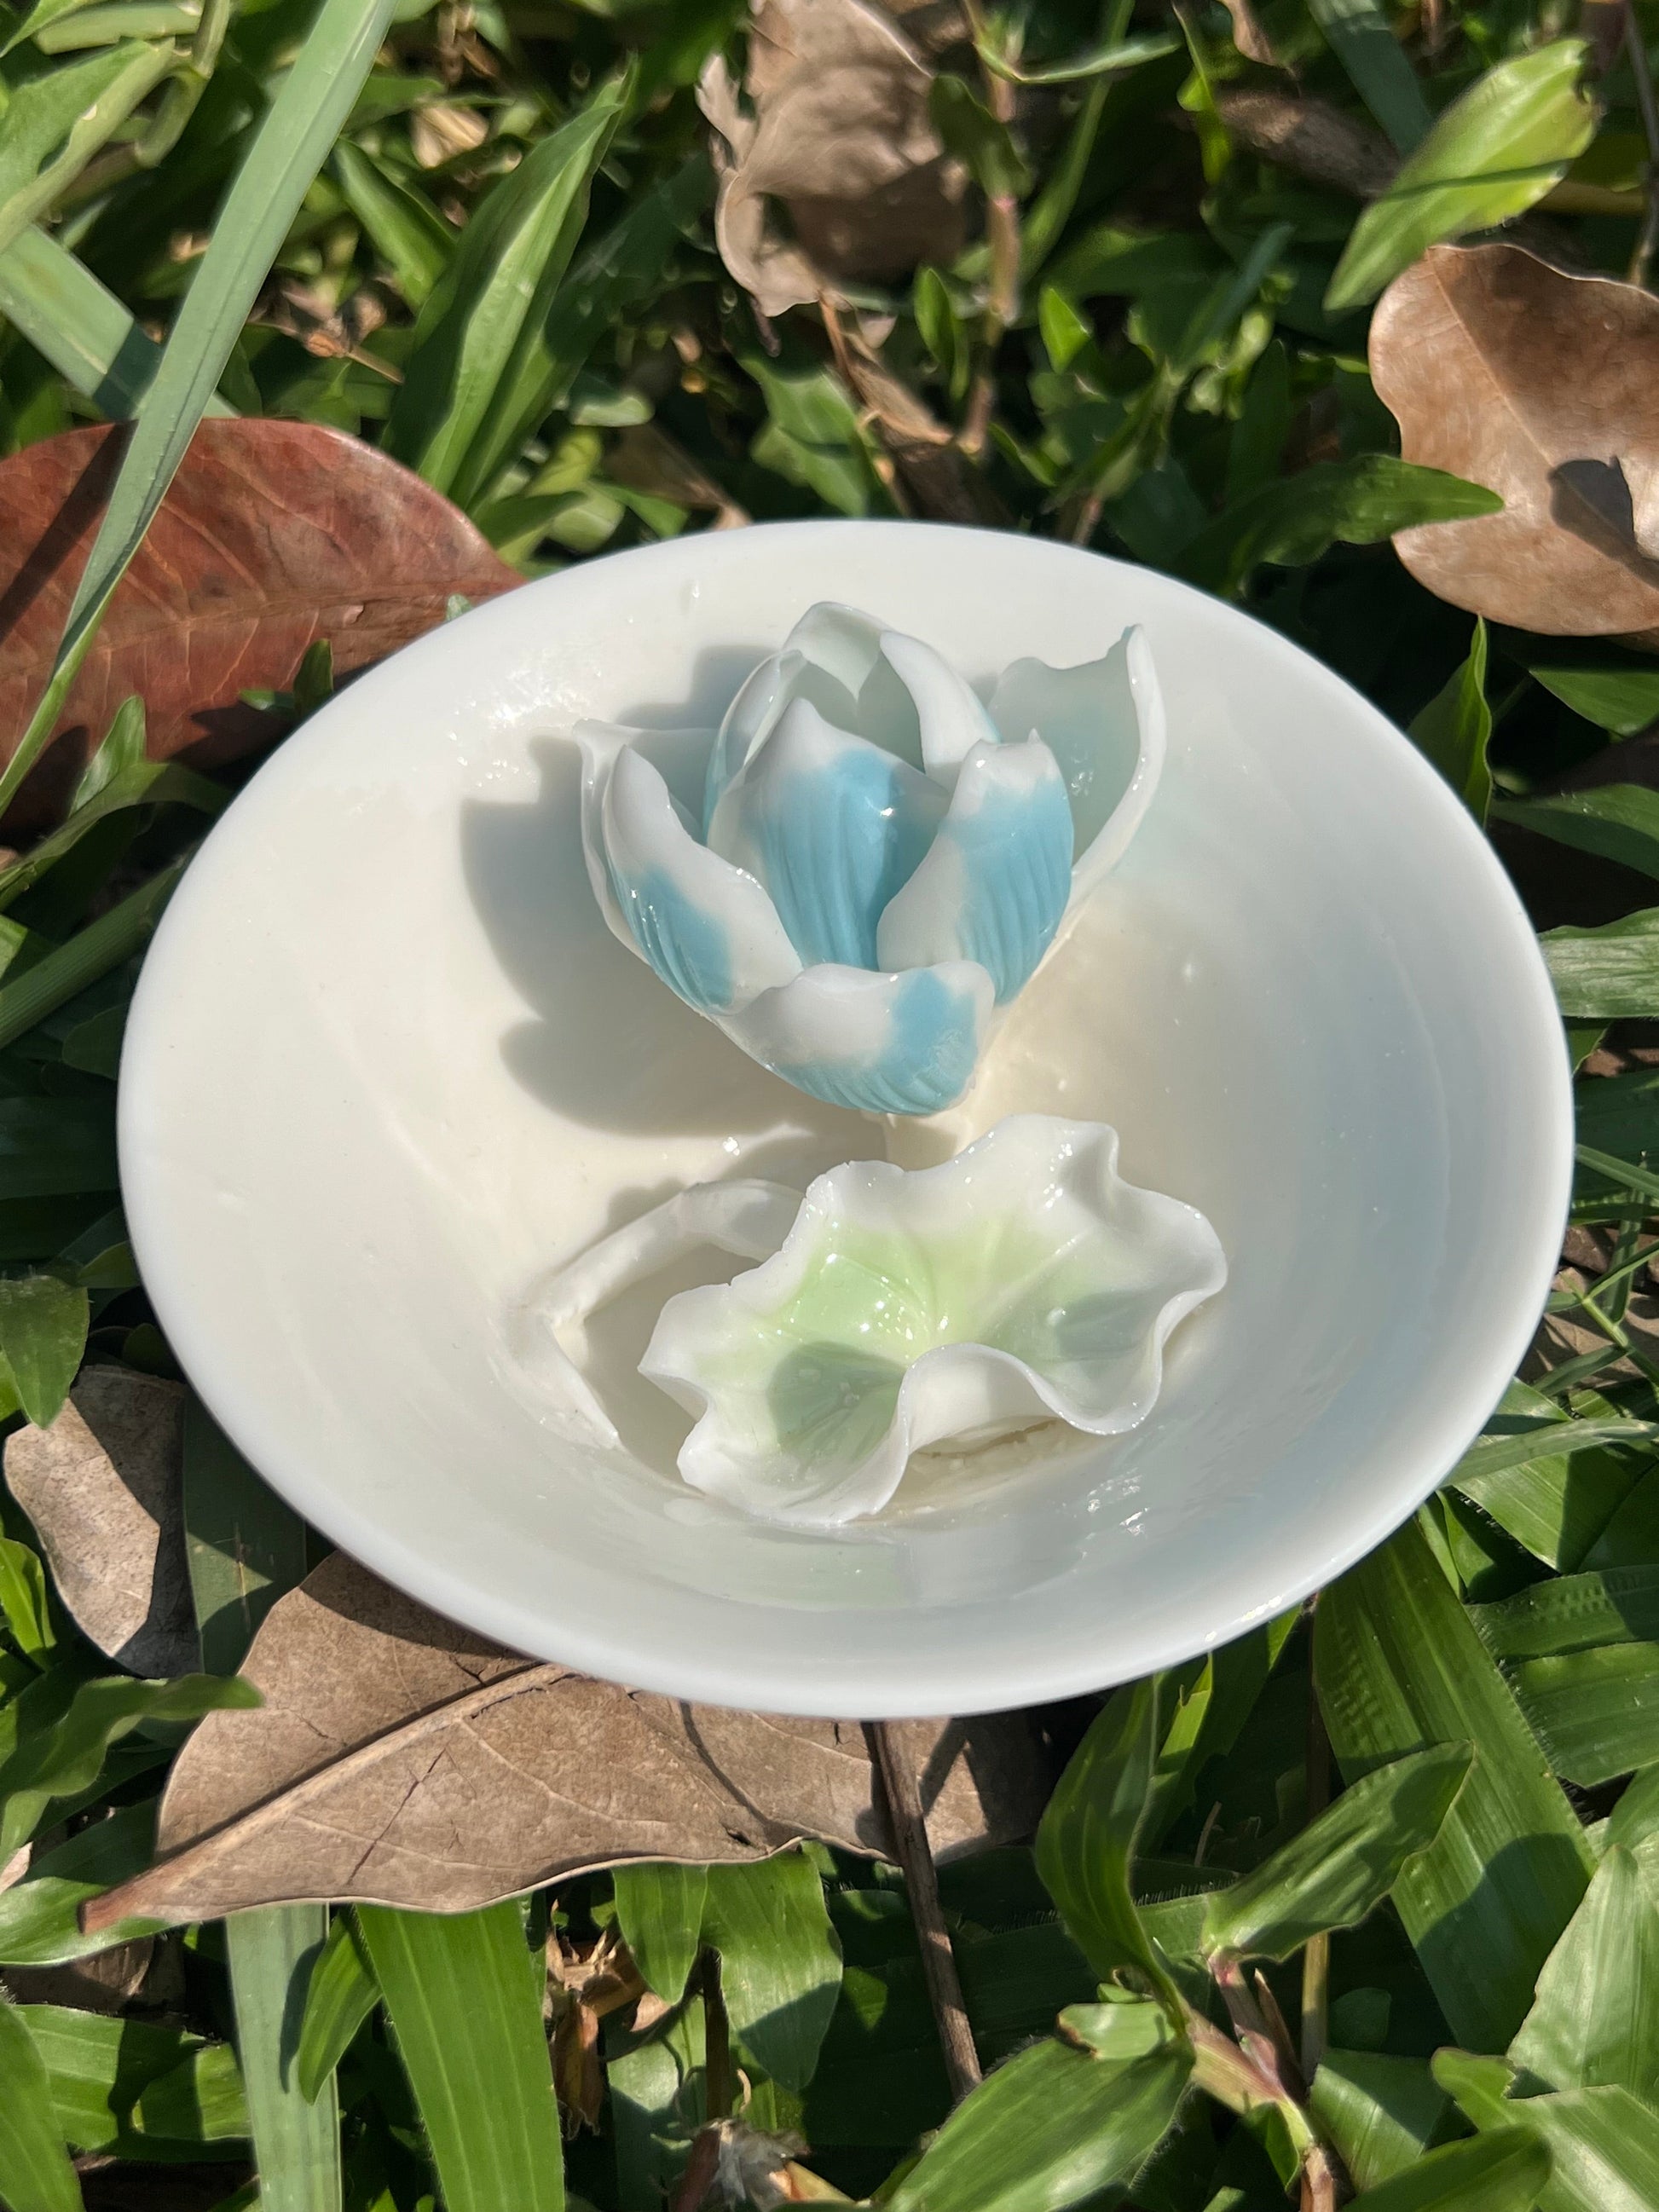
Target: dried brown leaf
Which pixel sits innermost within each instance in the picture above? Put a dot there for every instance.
(840, 133)
(273, 534)
(101, 1486)
(400, 1759)
(437, 134)
(1546, 387)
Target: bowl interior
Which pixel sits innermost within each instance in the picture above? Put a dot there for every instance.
(387, 1066)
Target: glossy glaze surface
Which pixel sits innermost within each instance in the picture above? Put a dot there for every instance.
(387, 1065)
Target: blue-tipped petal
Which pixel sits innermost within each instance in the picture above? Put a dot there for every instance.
(996, 879)
(883, 1044)
(710, 931)
(760, 705)
(1104, 722)
(832, 826)
(952, 717)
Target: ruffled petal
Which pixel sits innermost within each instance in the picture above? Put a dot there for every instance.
(952, 717)
(832, 826)
(885, 1044)
(995, 881)
(708, 929)
(1104, 722)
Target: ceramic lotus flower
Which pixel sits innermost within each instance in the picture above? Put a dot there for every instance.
(866, 861)
(1022, 1280)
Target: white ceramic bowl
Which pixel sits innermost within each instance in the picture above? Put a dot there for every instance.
(385, 1066)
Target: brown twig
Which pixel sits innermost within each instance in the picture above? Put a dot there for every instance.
(915, 1856)
(1647, 237)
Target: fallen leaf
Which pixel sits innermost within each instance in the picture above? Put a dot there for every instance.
(437, 134)
(841, 134)
(273, 535)
(107, 1981)
(102, 1487)
(1544, 386)
(399, 1760)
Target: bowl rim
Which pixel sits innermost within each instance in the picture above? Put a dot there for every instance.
(1014, 1674)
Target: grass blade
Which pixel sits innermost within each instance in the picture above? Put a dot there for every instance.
(341, 1994)
(1399, 1666)
(82, 330)
(1359, 35)
(304, 120)
(660, 1909)
(245, 1548)
(464, 1996)
(92, 952)
(35, 2173)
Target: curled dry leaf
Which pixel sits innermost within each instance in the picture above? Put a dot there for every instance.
(840, 133)
(101, 1486)
(274, 534)
(1546, 387)
(400, 1759)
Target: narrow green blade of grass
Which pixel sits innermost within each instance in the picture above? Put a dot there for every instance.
(82, 330)
(56, 122)
(780, 1961)
(408, 232)
(1399, 1666)
(479, 343)
(35, 2173)
(303, 122)
(1359, 35)
(464, 1996)
(245, 1548)
(339, 1997)
(92, 952)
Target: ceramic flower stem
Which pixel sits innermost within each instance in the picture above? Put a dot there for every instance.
(915, 1858)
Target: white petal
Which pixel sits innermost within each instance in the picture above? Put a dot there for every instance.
(849, 647)
(832, 826)
(885, 1044)
(996, 879)
(1104, 723)
(1022, 1278)
(708, 929)
(952, 717)
(680, 757)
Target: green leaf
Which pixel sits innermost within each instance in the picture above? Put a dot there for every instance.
(1571, 1613)
(55, 123)
(1454, 728)
(1398, 1666)
(1619, 822)
(1257, 444)
(91, 954)
(1594, 2022)
(121, 752)
(1597, 1711)
(139, 783)
(35, 2173)
(288, 148)
(1380, 2112)
(463, 1995)
(780, 1960)
(406, 230)
(64, 1728)
(979, 141)
(1504, 2172)
(43, 1334)
(1087, 1841)
(24, 1602)
(1343, 1864)
(39, 1923)
(1607, 975)
(1551, 1482)
(1360, 36)
(480, 374)
(1292, 521)
(1494, 152)
(1111, 59)
(53, 1146)
(659, 1911)
(1051, 2128)
(1065, 330)
(1603, 2144)
(244, 1547)
(1619, 696)
(81, 329)
(1206, 1718)
(137, 2090)
(340, 1996)
(1131, 2027)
